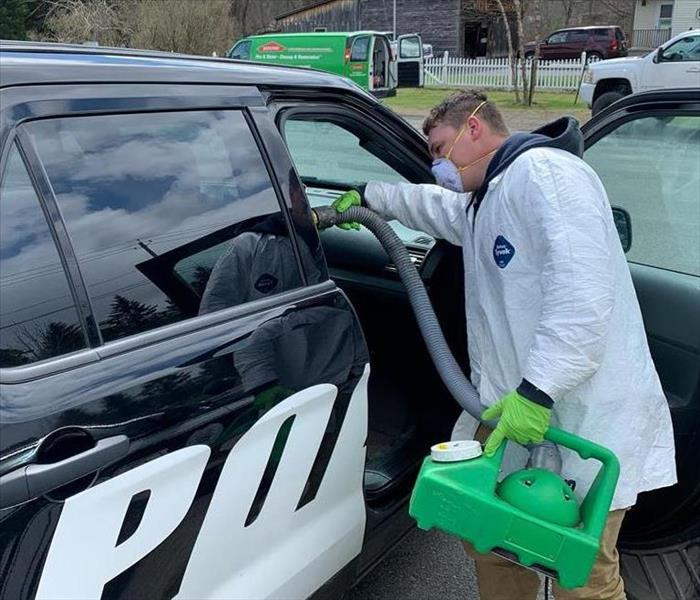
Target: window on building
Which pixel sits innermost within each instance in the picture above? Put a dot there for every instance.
(665, 16)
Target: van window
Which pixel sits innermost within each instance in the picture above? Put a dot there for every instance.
(171, 215)
(241, 50)
(38, 318)
(409, 47)
(360, 49)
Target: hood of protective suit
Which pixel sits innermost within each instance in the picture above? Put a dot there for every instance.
(564, 134)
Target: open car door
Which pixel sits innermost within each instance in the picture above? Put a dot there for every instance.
(646, 150)
(409, 57)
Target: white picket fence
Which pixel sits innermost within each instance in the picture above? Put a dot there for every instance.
(496, 73)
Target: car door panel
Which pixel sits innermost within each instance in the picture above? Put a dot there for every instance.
(264, 401)
(670, 304)
(646, 154)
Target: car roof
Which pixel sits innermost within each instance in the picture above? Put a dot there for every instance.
(682, 34)
(26, 63)
(587, 27)
(316, 34)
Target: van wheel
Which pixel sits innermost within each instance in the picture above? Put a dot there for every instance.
(605, 100)
(669, 573)
(594, 56)
(529, 55)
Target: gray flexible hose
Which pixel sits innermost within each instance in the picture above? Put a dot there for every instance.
(545, 455)
(450, 372)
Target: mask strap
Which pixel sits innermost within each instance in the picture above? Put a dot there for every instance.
(460, 169)
(461, 131)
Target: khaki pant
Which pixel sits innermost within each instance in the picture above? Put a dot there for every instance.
(500, 579)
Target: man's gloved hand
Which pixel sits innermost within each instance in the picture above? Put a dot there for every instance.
(342, 203)
(521, 420)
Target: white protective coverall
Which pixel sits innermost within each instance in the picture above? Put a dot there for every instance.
(549, 298)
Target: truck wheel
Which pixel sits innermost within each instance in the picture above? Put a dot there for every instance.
(668, 573)
(605, 100)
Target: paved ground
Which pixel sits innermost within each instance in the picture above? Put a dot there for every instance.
(424, 566)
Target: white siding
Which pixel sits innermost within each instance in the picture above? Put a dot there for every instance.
(685, 15)
(647, 17)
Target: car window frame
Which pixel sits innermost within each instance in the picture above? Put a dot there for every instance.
(20, 106)
(347, 113)
(599, 129)
(664, 59)
(86, 355)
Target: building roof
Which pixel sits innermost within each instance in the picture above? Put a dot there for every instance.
(43, 63)
(303, 9)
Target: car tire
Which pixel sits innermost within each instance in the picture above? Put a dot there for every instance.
(593, 56)
(668, 573)
(605, 100)
(529, 55)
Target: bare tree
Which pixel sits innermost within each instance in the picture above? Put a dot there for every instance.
(201, 27)
(80, 21)
(511, 52)
(520, 6)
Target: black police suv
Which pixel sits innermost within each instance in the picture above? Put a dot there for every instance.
(187, 408)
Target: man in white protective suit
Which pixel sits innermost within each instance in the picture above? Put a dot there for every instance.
(554, 328)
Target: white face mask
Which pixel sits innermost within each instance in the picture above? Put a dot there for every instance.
(447, 175)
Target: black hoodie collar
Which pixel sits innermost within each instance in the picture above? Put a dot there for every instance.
(564, 133)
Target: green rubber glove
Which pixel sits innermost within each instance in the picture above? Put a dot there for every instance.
(521, 420)
(342, 203)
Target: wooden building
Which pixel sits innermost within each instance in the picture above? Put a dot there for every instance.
(462, 27)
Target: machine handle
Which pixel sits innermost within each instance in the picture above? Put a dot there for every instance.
(597, 503)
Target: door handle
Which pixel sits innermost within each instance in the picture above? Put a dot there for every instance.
(693, 70)
(35, 480)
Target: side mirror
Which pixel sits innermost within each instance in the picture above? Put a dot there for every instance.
(623, 224)
(659, 56)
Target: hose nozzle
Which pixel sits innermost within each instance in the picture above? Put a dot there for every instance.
(325, 217)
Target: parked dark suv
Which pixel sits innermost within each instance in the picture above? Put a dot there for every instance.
(186, 403)
(598, 42)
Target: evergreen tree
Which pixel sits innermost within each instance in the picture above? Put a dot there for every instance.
(13, 19)
(128, 317)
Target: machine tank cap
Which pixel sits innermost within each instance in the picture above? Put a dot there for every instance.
(455, 451)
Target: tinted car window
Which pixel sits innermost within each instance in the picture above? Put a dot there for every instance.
(325, 151)
(557, 38)
(170, 215)
(241, 51)
(686, 49)
(38, 319)
(360, 49)
(576, 36)
(649, 167)
(409, 48)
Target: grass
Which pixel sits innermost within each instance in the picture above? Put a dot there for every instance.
(421, 100)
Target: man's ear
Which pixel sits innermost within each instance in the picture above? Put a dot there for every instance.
(475, 127)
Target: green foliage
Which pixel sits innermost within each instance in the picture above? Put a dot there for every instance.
(13, 19)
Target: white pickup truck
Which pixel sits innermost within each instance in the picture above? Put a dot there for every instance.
(675, 64)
